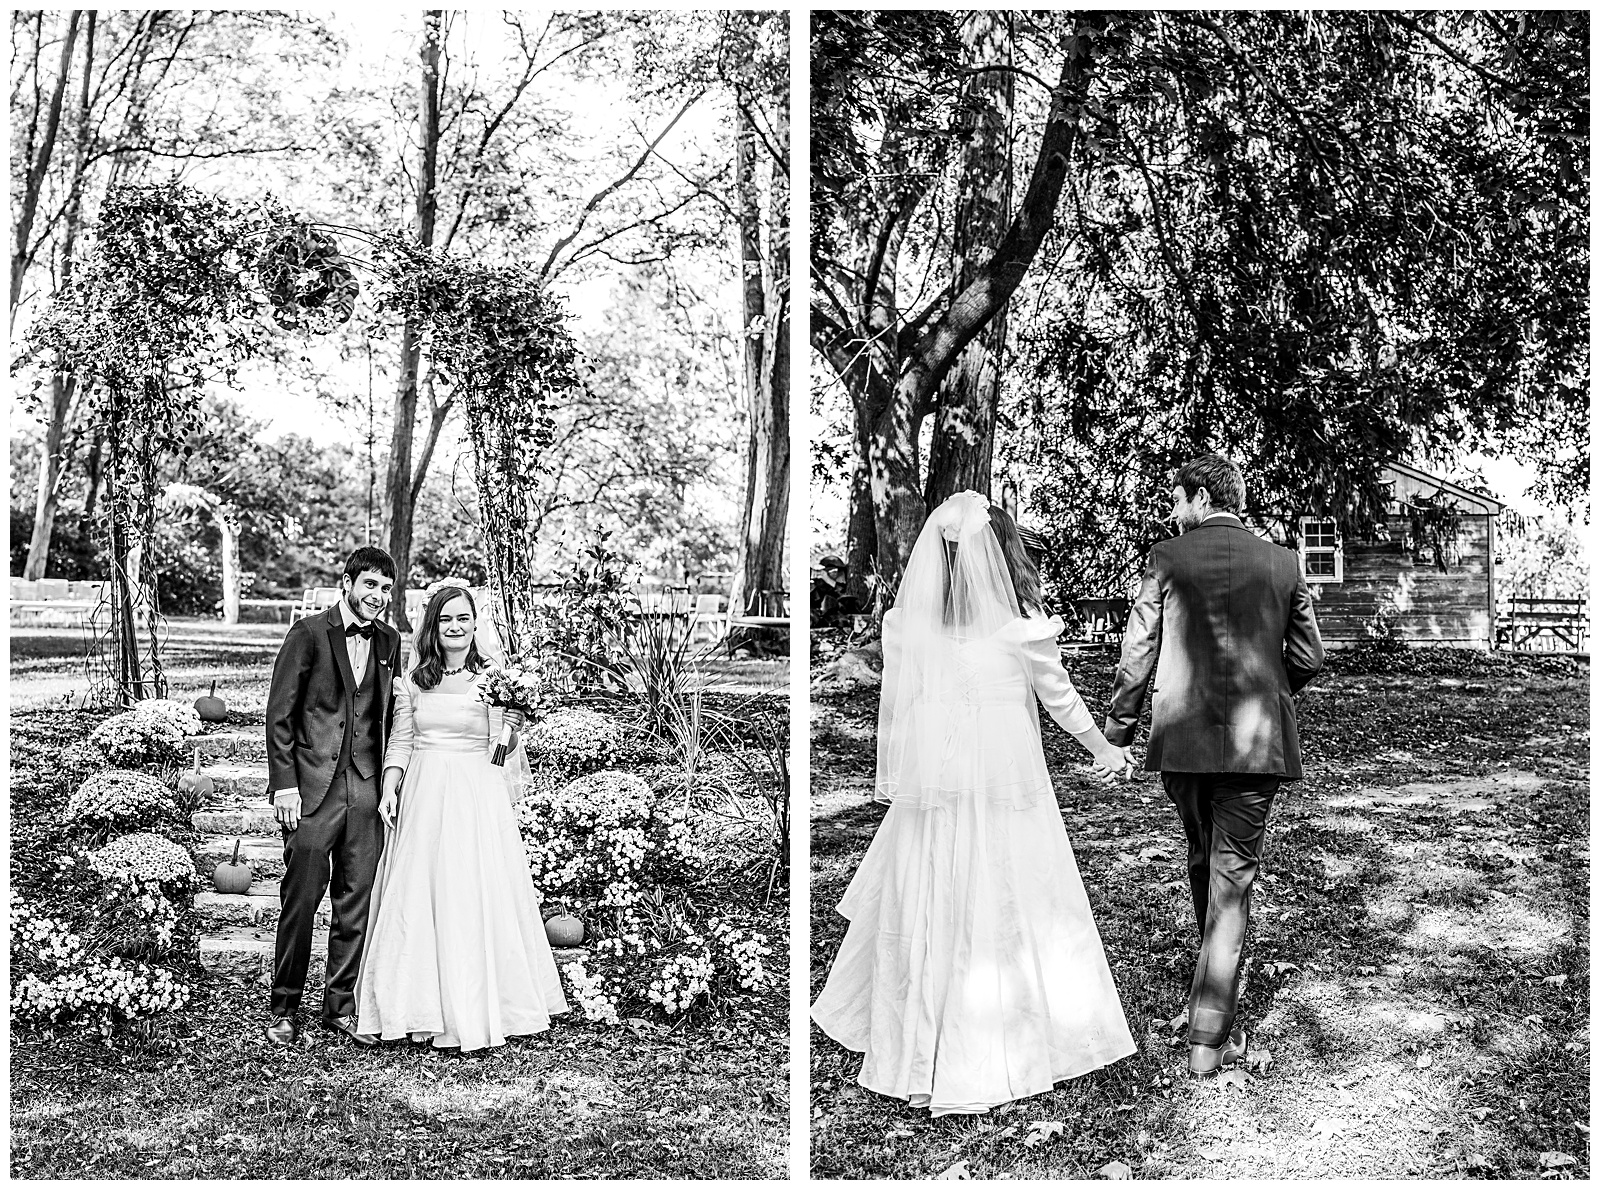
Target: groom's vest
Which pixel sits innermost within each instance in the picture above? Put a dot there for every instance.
(363, 732)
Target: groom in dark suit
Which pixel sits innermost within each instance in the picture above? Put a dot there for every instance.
(328, 715)
(1224, 619)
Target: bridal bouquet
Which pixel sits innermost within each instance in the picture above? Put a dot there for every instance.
(514, 686)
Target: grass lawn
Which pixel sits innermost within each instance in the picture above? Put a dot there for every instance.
(1417, 979)
(199, 1093)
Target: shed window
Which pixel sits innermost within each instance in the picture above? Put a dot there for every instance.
(1321, 553)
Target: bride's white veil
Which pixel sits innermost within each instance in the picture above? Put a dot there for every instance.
(956, 589)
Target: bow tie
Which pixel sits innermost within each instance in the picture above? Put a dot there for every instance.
(364, 631)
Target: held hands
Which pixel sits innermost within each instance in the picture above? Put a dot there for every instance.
(1116, 763)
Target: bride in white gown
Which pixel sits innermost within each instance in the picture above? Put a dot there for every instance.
(456, 952)
(972, 973)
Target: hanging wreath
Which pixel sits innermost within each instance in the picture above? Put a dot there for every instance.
(308, 281)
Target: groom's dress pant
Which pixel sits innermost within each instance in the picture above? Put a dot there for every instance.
(1225, 818)
(339, 846)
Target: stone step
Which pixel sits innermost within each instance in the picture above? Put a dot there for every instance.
(265, 856)
(247, 950)
(241, 820)
(238, 780)
(228, 743)
(254, 908)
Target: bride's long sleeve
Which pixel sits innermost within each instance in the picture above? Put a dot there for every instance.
(1049, 677)
(403, 735)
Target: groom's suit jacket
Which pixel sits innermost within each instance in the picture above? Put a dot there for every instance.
(1224, 619)
(312, 726)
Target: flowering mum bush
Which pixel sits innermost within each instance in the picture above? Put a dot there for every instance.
(95, 956)
(670, 964)
(152, 733)
(120, 800)
(147, 857)
(575, 740)
(607, 839)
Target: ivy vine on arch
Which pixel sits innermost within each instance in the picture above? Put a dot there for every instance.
(182, 287)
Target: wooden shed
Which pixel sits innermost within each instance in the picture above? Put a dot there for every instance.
(1427, 572)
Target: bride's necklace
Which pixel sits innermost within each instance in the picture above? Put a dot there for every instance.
(450, 673)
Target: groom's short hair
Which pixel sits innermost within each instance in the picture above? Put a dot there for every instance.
(1218, 475)
(369, 557)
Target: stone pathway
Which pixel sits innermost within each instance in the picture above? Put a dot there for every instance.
(238, 930)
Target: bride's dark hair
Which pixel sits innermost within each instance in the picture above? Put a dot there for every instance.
(1024, 574)
(429, 669)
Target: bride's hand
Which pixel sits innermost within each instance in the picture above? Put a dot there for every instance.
(389, 807)
(1119, 763)
(515, 719)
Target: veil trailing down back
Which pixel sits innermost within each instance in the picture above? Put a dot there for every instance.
(972, 973)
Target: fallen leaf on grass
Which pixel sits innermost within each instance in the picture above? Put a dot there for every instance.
(956, 1173)
(1479, 1113)
(898, 1133)
(1115, 1171)
(1178, 1023)
(1212, 1153)
(1424, 1061)
(1556, 1160)
(1235, 1078)
(1557, 980)
(1279, 968)
(1259, 1060)
(1149, 853)
(1043, 1130)
(1008, 1132)
(1328, 1127)
(1478, 1161)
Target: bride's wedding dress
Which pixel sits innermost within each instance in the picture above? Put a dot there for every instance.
(972, 973)
(456, 950)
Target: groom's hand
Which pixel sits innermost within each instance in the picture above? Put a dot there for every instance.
(287, 806)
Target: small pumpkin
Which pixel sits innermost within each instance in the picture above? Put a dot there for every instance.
(233, 877)
(196, 784)
(210, 708)
(563, 930)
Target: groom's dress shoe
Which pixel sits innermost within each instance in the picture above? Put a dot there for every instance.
(347, 1026)
(282, 1031)
(1207, 1059)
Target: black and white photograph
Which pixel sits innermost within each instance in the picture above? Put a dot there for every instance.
(399, 622)
(1199, 545)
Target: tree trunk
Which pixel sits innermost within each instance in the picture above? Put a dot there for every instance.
(962, 453)
(399, 486)
(893, 458)
(33, 181)
(52, 463)
(765, 275)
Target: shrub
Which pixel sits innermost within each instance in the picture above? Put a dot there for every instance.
(606, 839)
(575, 741)
(89, 956)
(670, 964)
(120, 800)
(581, 637)
(147, 857)
(151, 733)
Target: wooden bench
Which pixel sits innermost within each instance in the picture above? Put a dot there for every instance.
(1543, 625)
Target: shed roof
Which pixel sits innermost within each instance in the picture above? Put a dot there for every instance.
(1488, 503)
